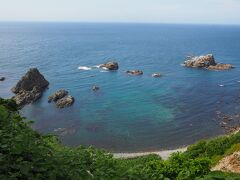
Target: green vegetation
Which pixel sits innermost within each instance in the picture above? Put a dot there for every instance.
(26, 154)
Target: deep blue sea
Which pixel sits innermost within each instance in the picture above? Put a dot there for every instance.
(129, 113)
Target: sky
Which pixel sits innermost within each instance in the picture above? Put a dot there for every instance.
(150, 11)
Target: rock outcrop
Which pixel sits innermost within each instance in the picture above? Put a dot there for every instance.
(65, 102)
(112, 65)
(220, 67)
(135, 72)
(61, 98)
(207, 61)
(30, 88)
(156, 75)
(2, 78)
(57, 95)
(230, 163)
(95, 88)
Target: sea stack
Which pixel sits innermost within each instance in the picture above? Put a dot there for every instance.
(207, 61)
(30, 88)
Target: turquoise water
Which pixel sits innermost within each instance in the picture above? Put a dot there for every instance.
(129, 113)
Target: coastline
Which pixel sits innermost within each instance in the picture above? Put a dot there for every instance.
(164, 154)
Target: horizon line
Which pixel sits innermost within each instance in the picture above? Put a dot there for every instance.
(116, 22)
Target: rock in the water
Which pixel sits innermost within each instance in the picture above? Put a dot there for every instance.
(65, 101)
(201, 61)
(134, 72)
(2, 78)
(57, 95)
(30, 88)
(207, 62)
(95, 88)
(26, 97)
(32, 78)
(220, 67)
(110, 65)
(156, 75)
(61, 98)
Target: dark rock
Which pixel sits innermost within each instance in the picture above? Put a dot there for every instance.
(32, 78)
(207, 62)
(57, 95)
(65, 101)
(156, 75)
(134, 72)
(95, 88)
(30, 88)
(2, 78)
(110, 65)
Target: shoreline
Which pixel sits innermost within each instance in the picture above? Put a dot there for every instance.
(164, 154)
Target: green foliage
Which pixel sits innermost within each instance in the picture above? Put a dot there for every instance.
(214, 147)
(220, 176)
(26, 154)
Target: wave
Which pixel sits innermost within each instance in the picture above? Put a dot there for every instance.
(85, 68)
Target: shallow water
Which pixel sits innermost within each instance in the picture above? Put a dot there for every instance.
(129, 113)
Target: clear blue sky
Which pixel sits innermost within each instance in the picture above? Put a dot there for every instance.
(165, 11)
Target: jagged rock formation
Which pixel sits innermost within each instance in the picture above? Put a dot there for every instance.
(61, 98)
(112, 65)
(207, 61)
(135, 72)
(30, 88)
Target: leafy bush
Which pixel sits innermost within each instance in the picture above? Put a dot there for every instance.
(217, 146)
(220, 176)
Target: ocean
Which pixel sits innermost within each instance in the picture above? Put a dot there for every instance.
(128, 113)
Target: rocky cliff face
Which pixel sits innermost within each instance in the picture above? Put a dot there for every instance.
(30, 88)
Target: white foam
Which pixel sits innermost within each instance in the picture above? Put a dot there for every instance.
(104, 68)
(85, 68)
(97, 66)
(221, 85)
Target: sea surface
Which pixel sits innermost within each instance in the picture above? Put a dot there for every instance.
(128, 113)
